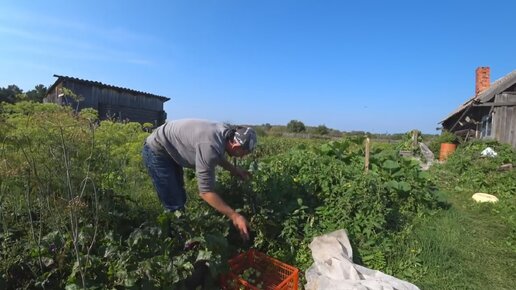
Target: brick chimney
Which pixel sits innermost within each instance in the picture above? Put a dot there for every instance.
(483, 79)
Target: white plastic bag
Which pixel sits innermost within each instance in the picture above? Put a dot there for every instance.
(488, 152)
(333, 268)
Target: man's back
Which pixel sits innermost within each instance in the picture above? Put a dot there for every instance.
(193, 143)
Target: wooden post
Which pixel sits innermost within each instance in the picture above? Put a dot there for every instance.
(367, 149)
(414, 139)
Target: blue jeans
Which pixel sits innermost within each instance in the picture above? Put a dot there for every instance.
(167, 177)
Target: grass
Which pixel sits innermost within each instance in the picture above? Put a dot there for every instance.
(467, 246)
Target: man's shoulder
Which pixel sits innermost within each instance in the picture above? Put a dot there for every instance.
(211, 148)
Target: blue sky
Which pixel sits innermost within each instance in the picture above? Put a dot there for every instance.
(378, 66)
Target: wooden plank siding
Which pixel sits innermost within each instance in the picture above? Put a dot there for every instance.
(504, 120)
(109, 111)
(511, 138)
(111, 102)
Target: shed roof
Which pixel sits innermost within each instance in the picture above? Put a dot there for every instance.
(486, 95)
(102, 85)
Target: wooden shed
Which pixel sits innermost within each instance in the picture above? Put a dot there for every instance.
(490, 114)
(111, 102)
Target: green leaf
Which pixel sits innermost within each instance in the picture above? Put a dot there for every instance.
(204, 255)
(326, 149)
(392, 184)
(404, 186)
(390, 164)
(72, 287)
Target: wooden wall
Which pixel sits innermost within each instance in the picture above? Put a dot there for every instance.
(504, 119)
(115, 103)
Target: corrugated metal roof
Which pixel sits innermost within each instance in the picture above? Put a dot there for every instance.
(485, 96)
(102, 85)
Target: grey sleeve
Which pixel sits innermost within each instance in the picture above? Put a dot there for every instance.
(206, 159)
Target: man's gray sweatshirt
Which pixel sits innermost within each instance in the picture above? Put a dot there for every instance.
(192, 143)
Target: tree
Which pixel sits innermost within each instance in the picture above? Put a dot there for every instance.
(13, 94)
(322, 130)
(10, 93)
(296, 126)
(37, 94)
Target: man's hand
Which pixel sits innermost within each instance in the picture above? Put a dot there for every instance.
(242, 173)
(242, 225)
(238, 220)
(236, 170)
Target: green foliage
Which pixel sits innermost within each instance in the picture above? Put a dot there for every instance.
(90, 114)
(410, 140)
(13, 94)
(67, 93)
(310, 191)
(322, 130)
(482, 174)
(466, 245)
(260, 131)
(296, 126)
(147, 127)
(77, 209)
(26, 109)
(10, 94)
(269, 146)
(37, 94)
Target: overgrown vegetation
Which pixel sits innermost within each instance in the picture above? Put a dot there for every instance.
(468, 245)
(77, 209)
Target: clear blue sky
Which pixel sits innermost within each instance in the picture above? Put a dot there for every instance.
(379, 66)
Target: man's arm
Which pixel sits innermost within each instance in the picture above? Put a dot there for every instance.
(217, 203)
(235, 170)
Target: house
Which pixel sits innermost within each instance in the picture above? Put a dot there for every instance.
(490, 114)
(111, 102)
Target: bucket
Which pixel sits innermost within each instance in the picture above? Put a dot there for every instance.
(446, 150)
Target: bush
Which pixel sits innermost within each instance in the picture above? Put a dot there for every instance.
(296, 126)
(322, 130)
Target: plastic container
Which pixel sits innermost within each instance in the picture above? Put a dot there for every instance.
(268, 273)
(446, 150)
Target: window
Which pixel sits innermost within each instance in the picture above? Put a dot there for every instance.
(485, 129)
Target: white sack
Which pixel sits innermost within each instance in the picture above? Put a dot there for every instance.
(488, 152)
(333, 268)
(484, 197)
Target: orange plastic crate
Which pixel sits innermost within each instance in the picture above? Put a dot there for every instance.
(274, 273)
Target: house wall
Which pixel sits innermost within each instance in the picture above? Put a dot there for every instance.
(113, 111)
(504, 119)
(112, 103)
(52, 96)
